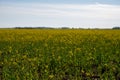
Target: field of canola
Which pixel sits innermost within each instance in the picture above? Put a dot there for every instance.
(34, 54)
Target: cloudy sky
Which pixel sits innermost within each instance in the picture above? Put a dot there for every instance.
(60, 13)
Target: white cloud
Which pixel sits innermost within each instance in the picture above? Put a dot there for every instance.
(82, 12)
(88, 10)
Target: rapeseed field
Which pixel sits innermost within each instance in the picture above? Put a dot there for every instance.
(35, 54)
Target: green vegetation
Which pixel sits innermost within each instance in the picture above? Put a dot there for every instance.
(59, 54)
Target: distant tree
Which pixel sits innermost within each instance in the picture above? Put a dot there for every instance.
(116, 27)
(65, 28)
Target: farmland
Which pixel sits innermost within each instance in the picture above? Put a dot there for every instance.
(35, 54)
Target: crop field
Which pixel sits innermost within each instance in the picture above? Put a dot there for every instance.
(54, 54)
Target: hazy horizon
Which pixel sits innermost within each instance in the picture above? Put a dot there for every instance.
(60, 13)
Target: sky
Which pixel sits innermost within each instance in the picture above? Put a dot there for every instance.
(60, 13)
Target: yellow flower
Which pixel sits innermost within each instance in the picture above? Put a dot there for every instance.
(78, 49)
(59, 58)
(23, 68)
(14, 63)
(46, 66)
(24, 56)
(82, 71)
(71, 53)
(51, 76)
(88, 74)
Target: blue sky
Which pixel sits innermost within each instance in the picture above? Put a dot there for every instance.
(66, 1)
(60, 13)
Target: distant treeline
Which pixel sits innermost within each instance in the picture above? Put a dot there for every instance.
(116, 28)
(57, 28)
(45, 28)
(34, 28)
